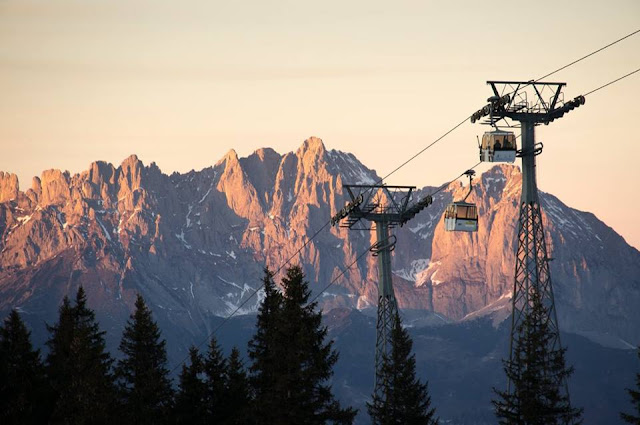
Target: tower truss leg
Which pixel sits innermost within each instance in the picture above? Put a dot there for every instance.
(532, 275)
(387, 306)
(387, 310)
(532, 281)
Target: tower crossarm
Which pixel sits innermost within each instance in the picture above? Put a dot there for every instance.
(535, 102)
(414, 209)
(375, 202)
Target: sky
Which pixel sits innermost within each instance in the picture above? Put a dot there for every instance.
(180, 83)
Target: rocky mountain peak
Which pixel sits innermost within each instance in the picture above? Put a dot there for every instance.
(311, 150)
(101, 172)
(265, 154)
(261, 168)
(8, 186)
(231, 157)
(130, 175)
(55, 186)
(36, 186)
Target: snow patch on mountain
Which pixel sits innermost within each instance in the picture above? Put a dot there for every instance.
(417, 267)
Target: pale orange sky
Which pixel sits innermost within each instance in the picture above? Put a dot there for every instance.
(180, 83)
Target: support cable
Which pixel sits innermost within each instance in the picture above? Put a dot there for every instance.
(586, 56)
(611, 82)
(424, 149)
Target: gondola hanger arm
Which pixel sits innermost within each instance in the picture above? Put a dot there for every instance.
(470, 174)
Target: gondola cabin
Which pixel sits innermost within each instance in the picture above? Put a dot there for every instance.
(498, 146)
(461, 217)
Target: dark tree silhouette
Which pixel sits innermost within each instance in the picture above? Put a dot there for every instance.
(142, 375)
(215, 376)
(406, 400)
(236, 395)
(22, 379)
(79, 366)
(291, 360)
(191, 399)
(538, 376)
(634, 418)
(263, 353)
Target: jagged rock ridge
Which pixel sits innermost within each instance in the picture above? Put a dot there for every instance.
(195, 244)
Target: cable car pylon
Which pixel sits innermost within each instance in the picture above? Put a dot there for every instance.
(532, 281)
(385, 206)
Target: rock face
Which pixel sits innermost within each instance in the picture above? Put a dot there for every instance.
(195, 244)
(8, 186)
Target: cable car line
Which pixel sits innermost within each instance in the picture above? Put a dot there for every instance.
(310, 239)
(588, 55)
(611, 82)
(425, 148)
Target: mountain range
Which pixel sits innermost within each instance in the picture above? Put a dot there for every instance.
(195, 246)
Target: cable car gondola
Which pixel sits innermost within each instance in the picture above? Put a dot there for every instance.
(462, 216)
(498, 146)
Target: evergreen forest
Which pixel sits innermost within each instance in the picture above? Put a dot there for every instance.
(283, 377)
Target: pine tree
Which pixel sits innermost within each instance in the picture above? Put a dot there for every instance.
(537, 376)
(215, 376)
(236, 395)
(264, 368)
(79, 367)
(58, 362)
(22, 380)
(142, 376)
(191, 404)
(299, 360)
(406, 400)
(635, 400)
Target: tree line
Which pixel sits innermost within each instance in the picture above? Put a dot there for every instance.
(286, 378)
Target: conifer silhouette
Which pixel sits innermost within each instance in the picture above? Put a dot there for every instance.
(79, 366)
(142, 375)
(22, 379)
(292, 362)
(406, 400)
(634, 418)
(537, 375)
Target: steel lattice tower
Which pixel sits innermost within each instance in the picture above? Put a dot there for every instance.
(387, 207)
(532, 276)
